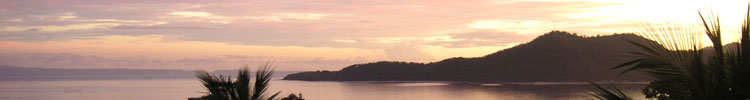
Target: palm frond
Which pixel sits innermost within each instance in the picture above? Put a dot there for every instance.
(713, 31)
(262, 78)
(272, 97)
(741, 66)
(224, 88)
(243, 83)
(216, 86)
(680, 70)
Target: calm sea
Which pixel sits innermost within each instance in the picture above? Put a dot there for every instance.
(182, 88)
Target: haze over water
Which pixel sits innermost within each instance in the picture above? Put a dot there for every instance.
(182, 88)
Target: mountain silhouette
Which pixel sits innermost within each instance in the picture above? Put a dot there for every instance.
(556, 56)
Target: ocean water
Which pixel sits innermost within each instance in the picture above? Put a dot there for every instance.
(183, 88)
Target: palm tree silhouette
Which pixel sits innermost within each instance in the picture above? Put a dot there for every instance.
(681, 70)
(224, 88)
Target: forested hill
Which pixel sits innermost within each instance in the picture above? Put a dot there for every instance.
(553, 57)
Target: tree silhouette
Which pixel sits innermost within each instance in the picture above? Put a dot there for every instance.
(224, 88)
(683, 71)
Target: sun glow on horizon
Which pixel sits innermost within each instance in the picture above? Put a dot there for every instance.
(335, 34)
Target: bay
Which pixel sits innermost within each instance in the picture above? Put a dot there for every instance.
(181, 89)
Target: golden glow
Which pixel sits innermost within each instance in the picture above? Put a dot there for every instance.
(191, 14)
(520, 27)
(730, 13)
(155, 46)
(485, 24)
(442, 38)
(443, 52)
(280, 17)
(345, 41)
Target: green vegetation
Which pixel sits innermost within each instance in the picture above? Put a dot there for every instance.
(681, 70)
(224, 88)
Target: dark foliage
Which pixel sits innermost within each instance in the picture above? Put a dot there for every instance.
(293, 97)
(224, 88)
(682, 71)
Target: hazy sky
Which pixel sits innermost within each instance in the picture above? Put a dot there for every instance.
(303, 34)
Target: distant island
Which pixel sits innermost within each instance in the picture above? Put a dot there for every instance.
(14, 73)
(556, 56)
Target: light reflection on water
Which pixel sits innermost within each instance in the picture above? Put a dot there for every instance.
(181, 89)
(440, 91)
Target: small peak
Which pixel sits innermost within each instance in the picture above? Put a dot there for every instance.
(622, 35)
(558, 34)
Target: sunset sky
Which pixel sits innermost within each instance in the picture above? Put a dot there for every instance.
(306, 34)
